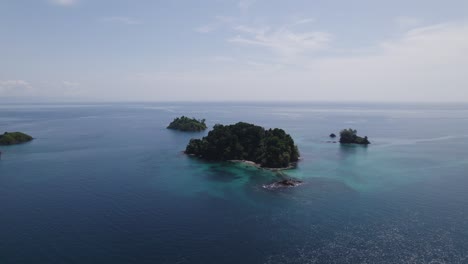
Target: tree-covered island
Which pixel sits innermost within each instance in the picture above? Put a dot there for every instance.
(184, 123)
(12, 138)
(349, 136)
(271, 148)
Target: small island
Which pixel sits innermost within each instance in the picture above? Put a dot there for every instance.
(332, 135)
(12, 138)
(271, 148)
(184, 123)
(349, 136)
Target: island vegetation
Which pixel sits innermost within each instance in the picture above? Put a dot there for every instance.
(349, 136)
(184, 123)
(271, 148)
(12, 138)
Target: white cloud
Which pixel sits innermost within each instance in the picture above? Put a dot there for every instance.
(70, 84)
(14, 84)
(244, 5)
(67, 88)
(408, 22)
(424, 64)
(427, 63)
(303, 21)
(122, 20)
(64, 2)
(282, 41)
(41, 89)
(15, 87)
(219, 21)
(206, 28)
(223, 59)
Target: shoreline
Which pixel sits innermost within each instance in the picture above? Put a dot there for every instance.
(251, 163)
(292, 165)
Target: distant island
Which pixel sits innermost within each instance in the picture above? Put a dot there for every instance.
(184, 123)
(12, 138)
(349, 136)
(271, 148)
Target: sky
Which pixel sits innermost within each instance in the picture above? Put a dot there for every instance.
(234, 50)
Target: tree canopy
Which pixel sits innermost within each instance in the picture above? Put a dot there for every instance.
(11, 138)
(271, 148)
(184, 123)
(348, 136)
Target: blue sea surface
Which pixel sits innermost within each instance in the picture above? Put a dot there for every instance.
(108, 183)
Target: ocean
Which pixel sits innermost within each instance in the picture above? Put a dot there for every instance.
(108, 183)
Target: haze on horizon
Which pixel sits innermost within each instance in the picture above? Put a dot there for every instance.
(228, 50)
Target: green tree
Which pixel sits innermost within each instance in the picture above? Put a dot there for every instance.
(349, 136)
(243, 141)
(184, 123)
(11, 138)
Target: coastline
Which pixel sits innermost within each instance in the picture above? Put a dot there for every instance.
(292, 165)
(251, 163)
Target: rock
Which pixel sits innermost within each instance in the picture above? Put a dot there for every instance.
(289, 182)
(332, 135)
(283, 183)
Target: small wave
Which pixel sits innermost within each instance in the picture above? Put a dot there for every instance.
(422, 140)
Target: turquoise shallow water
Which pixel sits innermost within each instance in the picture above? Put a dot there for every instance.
(107, 183)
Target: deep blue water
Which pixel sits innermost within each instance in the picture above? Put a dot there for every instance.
(107, 183)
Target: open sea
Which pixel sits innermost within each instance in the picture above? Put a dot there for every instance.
(108, 183)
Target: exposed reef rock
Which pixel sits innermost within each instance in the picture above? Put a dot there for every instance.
(283, 183)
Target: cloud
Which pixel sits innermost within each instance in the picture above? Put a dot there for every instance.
(122, 20)
(70, 84)
(67, 88)
(408, 22)
(244, 5)
(423, 64)
(223, 59)
(282, 41)
(426, 63)
(302, 21)
(14, 84)
(64, 2)
(206, 28)
(15, 87)
(219, 21)
(48, 89)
